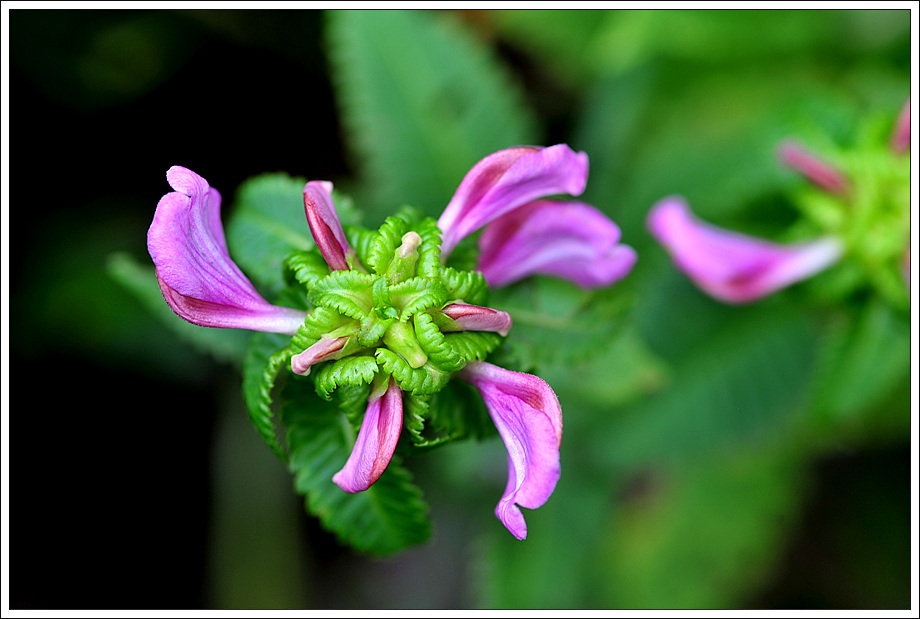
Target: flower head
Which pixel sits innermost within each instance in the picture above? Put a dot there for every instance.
(388, 316)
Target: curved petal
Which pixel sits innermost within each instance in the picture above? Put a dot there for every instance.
(529, 420)
(476, 318)
(571, 240)
(376, 442)
(507, 179)
(325, 225)
(323, 349)
(900, 139)
(811, 167)
(198, 279)
(733, 267)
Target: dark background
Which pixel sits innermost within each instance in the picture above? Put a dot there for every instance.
(111, 495)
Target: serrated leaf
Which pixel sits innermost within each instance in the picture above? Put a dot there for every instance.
(468, 286)
(318, 322)
(425, 380)
(384, 245)
(456, 412)
(388, 517)
(422, 102)
(348, 292)
(416, 295)
(268, 354)
(354, 371)
(473, 345)
(306, 267)
(435, 345)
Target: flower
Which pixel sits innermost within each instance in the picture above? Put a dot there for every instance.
(862, 212)
(733, 267)
(395, 305)
(196, 275)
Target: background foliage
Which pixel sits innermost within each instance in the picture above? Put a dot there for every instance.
(713, 456)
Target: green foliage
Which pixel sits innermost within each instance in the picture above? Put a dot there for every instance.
(863, 359)
(268, 354)
(701, 536)
(745, 384)
(388, 517)
(422, 101)
(555, 323)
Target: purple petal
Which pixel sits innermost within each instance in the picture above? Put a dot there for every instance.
(506, 180)
(323, 350)
(811, 167)
(571, 240)
(196, 275)
(376, 442)
(733, 267)
(900, 139)
(325, 225)
(476, 318)
(528, 417)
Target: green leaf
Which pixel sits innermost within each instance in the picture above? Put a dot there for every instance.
(435, 344)
(422, 102)
(267, 224)
(306, 267)
(862, 360)
(741, 386)
(416, 295)
(456, 412)
(556, 323)
(425, 380)
(227, 345)
(353, 371)
(389, 237)
(268, 354)
(388, 517)
(700, 536)
(348, 292)
(467, 286)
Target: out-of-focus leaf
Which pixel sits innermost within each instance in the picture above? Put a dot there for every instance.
(228, 345)
(742, 385)
(388, 517)
(422, 101)
(700, 536)
(558, 323)
(861, 362)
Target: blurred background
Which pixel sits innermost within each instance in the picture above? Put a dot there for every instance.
(714, 457)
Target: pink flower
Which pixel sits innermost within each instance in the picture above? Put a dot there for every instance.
(196, 275)
(733, 267)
